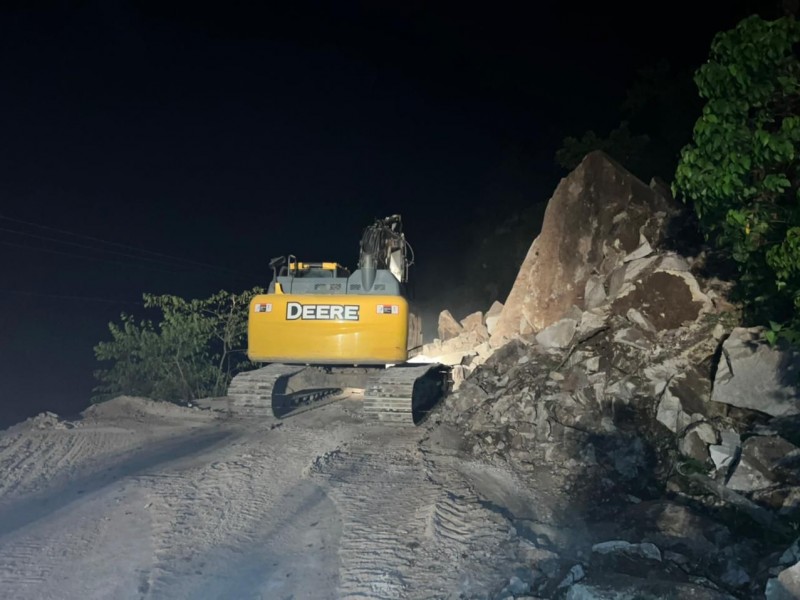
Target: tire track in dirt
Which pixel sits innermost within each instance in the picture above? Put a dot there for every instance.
(321, 506)
(37, 459)
(68, 546)
(405, 534)
(44, 535)
(231, 511)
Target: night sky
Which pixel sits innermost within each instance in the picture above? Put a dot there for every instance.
(202, 140)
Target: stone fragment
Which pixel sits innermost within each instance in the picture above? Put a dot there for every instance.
(667, 300)
(472, 321)
(643, 250)
(786, 586)
(594, 294)
(617, 586)
(724, 453)
(635, 269)
(448, 326)
(633, 337)
(638, 319)
(575, 574)
(592, 364)
(764, 461)
(492, 316)
(615, 281)
(591, 322)
(752, 374)
(673, 262)
(558, 335)
(645, 550)
(692, 446)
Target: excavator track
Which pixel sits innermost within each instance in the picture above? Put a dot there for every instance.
(405, 394)
(281, 390)
(402, 394)
(251, 392)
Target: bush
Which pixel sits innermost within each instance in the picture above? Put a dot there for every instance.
(193, 351)
(742, 170)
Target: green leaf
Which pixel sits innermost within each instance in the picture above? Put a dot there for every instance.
(740, 171)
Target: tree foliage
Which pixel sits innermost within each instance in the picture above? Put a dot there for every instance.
(657, 118)
(742, 169)
(191, 352)
(620, 144)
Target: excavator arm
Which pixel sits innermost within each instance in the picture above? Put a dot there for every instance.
(384, 246)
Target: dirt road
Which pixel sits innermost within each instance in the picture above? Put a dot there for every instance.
(145, 500)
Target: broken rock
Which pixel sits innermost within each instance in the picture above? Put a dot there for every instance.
(725, 453)
(692, 446)
(492, 315)
(644, 249)
(472, 321)
(592, 322)
(594, 294)
(645, 550)
(752, 374)
(674, 527)
(764, 461)
(569, 250)
(625, 587)
(448, 326)
(638, 319)
(786, 586)
(558, 335)
(665, 299)
(673, 262)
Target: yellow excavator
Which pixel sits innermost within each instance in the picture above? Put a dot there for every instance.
(327, 334)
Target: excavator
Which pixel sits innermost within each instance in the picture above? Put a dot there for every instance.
(328, 334)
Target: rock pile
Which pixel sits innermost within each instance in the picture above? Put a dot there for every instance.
(598, 215)
(621, 372)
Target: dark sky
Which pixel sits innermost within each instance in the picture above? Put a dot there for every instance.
(226, 134)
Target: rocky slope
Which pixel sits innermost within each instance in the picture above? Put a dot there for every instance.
(620, 373)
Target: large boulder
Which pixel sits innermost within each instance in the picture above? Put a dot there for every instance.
(598, 215)
(752, 374)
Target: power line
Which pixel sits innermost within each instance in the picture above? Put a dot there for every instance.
(88, 247)
(95, 258)
(124, 246)
(68, 297)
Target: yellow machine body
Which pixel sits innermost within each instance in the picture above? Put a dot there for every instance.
(317, 321)
(337, 329)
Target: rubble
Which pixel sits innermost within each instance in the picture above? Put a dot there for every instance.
(626, 587)
(616, 372)
(49, 420)
(616, 210)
